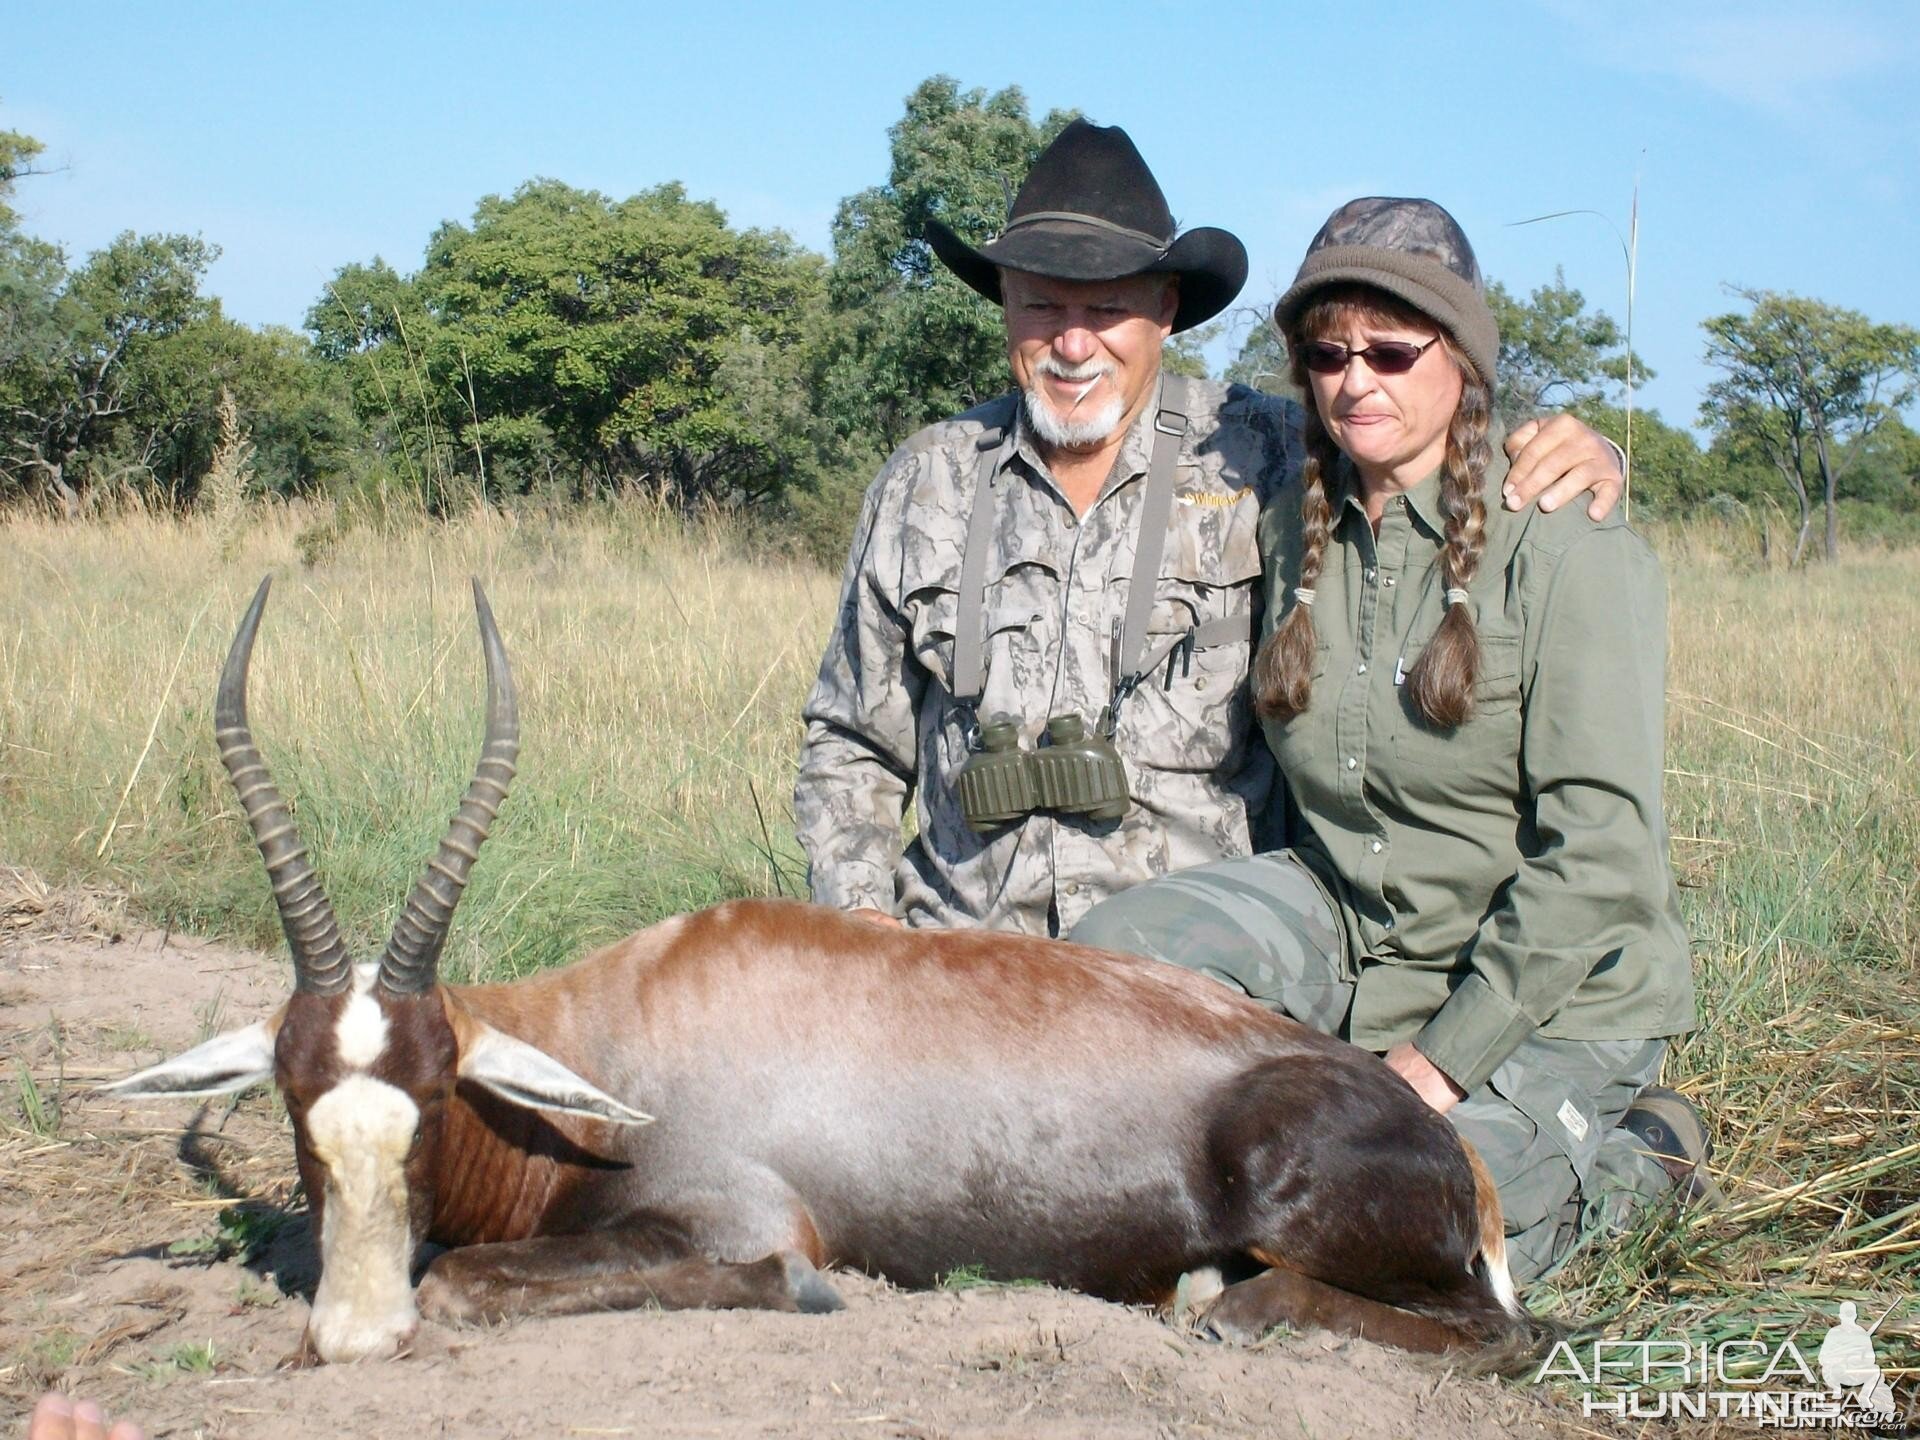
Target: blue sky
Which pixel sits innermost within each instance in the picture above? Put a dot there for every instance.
(1775, 145)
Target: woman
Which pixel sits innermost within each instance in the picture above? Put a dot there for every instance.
(1468, 707)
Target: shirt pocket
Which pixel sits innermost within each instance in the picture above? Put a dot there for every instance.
(1482, 756)
(1562, 1114)
(1191, 711)
(1295, 742)
(1012, 611)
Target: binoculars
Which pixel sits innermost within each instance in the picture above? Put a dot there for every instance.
(1074, 773)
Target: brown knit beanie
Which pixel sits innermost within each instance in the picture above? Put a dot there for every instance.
(1409, 248)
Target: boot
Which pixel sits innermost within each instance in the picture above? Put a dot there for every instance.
(1670, 1127)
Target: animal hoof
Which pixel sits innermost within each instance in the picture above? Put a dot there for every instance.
(812, 1295)
(443, 1302)
(1225, 1322)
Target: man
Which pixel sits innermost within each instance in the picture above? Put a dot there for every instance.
(1084, 549)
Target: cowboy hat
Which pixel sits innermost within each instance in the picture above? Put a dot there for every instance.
(1091, 210)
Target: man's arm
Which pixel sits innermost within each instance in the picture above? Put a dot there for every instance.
(1560, 459)
(858, 761)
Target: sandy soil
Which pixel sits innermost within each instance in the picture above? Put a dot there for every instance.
(148, 1256)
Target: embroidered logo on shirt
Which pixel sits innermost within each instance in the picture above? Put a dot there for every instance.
(1214, 502)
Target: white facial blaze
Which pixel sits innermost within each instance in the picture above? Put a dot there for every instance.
(362, 1030)
(360, 1131)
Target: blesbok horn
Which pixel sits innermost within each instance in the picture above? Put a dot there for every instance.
(320, 964)
(410, 963)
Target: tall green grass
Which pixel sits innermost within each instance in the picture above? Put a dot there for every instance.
(660, 670)
(1794, 801)
(662, 666)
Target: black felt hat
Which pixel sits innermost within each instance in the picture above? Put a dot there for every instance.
(1091, 210)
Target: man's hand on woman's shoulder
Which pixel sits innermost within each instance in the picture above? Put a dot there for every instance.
(1560, 459)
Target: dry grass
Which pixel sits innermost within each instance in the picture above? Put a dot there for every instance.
(662, 668)
(660, 673)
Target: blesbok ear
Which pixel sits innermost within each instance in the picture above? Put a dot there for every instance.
(525, 1075)
(516, 1071)
(223, 1064)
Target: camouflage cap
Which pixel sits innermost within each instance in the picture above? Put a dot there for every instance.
(1412, 249)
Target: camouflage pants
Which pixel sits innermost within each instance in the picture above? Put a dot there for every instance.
(1545, 1122)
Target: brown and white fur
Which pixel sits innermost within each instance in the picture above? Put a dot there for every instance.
(821, 1091)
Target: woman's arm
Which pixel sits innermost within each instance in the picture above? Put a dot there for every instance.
(1592, 748)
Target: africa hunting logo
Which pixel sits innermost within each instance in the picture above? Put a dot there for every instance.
(1769, 1384)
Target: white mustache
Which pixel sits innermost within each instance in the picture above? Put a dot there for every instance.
(1086, 370)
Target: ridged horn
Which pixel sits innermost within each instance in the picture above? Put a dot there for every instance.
(320, 964)
(411, 962)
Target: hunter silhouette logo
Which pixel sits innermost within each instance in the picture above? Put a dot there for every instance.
(1768, 1382)
(1847, 1362)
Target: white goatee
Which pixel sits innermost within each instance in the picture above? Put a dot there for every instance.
(1084, 426)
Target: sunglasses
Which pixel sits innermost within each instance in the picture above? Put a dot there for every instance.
(1383, 357)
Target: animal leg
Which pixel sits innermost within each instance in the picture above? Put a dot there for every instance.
(616, 1270)
(1246, 1311)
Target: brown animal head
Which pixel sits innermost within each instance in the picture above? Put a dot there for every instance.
(367, 1055)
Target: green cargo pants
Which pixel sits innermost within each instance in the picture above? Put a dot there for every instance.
(1546, 1122)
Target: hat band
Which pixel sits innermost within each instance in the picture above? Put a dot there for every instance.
(1036, 217)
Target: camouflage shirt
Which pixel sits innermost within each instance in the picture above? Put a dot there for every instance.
(882, 724)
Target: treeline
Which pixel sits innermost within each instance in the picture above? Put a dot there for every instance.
(562, 344)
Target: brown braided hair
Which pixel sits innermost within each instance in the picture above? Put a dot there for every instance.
(1441, 682)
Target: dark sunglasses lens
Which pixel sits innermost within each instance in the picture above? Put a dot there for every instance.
(1323, 357)
(1392, 357)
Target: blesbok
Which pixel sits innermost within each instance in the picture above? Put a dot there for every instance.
(823, 1091)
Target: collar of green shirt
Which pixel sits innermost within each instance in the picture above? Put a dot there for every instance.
(1423, 503)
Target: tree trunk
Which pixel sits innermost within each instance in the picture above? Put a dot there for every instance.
(1799, 488)
(62, 494)
(1829, 483)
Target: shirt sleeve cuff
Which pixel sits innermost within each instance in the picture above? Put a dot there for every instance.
(852, 886)
(1472, 1033)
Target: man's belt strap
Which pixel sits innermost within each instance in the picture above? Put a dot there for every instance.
(1156, 509)
(970, 631)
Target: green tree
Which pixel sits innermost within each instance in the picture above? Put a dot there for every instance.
(1672, 475)
(566, 338)
(1806, 385)
(368, 329)
(1887, 471)
(17, 152)
(1555, 354)
(88, 336)
(1262, 362)
(1185, 353)
(909, 343)
(295, 410)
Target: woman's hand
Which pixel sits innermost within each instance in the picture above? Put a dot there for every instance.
(1427, 1081)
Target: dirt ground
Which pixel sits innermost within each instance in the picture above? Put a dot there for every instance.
(149, 1257)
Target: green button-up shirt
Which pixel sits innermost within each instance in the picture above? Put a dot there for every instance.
(1510, 875)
